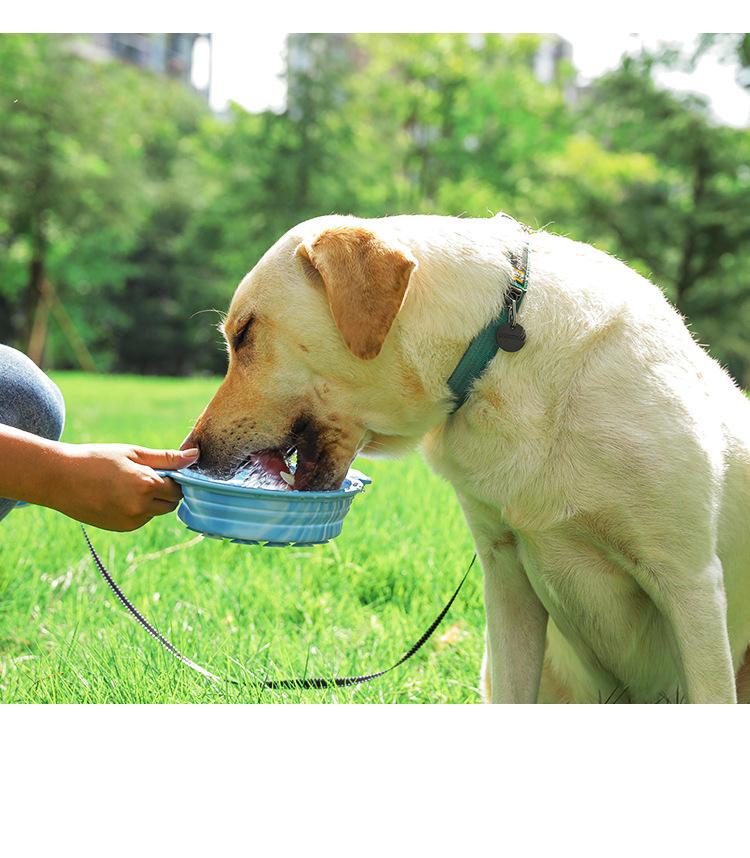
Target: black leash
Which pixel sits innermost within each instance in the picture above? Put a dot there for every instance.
(303, 684)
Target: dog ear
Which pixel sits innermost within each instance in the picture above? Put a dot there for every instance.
(365, 280)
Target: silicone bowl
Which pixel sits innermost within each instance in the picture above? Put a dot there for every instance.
(250, 515)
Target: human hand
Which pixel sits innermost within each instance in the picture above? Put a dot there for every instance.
(114, 486)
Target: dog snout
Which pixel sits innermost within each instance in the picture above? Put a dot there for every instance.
(190, 442)
(216, 458)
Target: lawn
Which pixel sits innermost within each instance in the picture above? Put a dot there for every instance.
(352, 606)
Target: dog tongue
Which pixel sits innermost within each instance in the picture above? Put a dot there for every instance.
(263, 469)
(270, 461)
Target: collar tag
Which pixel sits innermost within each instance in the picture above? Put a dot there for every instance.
(503, 332)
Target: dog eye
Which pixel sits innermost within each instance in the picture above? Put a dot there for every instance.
(241, 336)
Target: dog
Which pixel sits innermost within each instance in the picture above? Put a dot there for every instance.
(603, 469)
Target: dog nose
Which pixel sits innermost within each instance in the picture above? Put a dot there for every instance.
(190, 442)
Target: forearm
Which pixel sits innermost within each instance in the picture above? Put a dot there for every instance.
(32, 469)
(115, 486)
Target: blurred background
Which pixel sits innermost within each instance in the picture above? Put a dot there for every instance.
(142, 174)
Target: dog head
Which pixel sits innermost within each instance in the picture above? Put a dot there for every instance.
(315, 363)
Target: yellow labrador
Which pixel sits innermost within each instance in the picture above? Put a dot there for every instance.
(604, 469)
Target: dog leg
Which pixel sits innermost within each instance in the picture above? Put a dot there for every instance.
(516, 619)
(696, 612)
(516, 628)
(485, 677)
(743, 679)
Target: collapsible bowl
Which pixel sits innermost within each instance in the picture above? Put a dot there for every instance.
(250, 515)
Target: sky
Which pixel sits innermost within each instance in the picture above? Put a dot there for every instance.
(247, 66)
(246, 69)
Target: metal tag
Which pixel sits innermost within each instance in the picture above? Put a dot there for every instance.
(510, 338)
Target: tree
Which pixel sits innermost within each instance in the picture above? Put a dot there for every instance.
(455, 123)
(682, 215)
(84, 159)
(68, 169)
(153, 328)
(124, 197)
(260, 174)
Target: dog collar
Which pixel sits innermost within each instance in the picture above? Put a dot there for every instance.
(503, 332)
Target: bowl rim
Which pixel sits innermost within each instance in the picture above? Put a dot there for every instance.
(357, 481)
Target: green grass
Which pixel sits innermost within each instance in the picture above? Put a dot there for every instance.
(351, 606)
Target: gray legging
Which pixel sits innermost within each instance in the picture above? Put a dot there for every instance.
(29, 401)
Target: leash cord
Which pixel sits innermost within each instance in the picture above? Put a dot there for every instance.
(305, 684)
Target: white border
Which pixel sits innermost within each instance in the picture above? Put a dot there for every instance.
(384, 16)
(373, 780)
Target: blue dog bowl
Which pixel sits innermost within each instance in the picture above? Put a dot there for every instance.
(250, 515)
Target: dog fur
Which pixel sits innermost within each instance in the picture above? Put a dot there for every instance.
(604, 469)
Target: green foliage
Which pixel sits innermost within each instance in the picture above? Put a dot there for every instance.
(68, 170)
(84, 160)
(144, 209)
(670, 194)
(448, 122)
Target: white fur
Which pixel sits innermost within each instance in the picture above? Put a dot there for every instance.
(604, 469)
(605, 473)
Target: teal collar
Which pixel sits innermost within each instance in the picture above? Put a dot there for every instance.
(503, 332)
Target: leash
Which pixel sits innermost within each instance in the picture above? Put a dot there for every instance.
(305, 683)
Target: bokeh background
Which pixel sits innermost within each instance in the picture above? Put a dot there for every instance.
(133, 196)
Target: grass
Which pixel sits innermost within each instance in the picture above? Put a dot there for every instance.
(352, 606)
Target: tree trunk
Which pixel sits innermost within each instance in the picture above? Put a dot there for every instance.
(40, 322)
(686, 274)
(36, 301)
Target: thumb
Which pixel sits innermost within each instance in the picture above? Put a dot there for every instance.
(171, 460)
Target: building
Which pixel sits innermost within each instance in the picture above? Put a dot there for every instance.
(552, 53)
(182, 56)
(553, 56)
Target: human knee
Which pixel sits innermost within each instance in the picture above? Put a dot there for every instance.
(29, 400)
